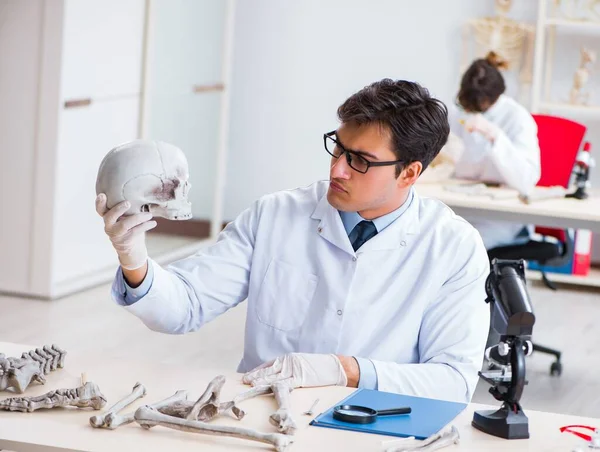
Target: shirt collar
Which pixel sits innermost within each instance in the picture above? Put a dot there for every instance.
(351, 219)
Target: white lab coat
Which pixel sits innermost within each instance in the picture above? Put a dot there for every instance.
(513, 159)
(411, 299)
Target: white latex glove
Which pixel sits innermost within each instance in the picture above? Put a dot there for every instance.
(299, 370)
(127, 233)
(477, 123)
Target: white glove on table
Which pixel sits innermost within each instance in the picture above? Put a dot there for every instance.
(127, 234)
(299, 370)
(477, 123)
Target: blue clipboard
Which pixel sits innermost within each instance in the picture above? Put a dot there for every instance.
(428, 416)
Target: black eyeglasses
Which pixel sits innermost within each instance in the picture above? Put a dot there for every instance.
(355, 160)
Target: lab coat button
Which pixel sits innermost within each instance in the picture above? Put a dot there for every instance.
(402, 243)
(339, 312)
(354, 259)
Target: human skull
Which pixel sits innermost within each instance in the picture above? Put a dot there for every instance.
(151, 175)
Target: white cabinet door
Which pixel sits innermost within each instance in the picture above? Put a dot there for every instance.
(86, 135)
(102, 48)
(185, 44)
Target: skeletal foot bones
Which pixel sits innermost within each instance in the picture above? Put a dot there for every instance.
(86, 396)
(111, 419)
(18, 373)
(207, 407)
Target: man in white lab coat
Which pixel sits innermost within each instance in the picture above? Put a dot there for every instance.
(353, 281)
(500, 143)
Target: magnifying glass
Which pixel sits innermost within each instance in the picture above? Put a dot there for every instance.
(363, 415)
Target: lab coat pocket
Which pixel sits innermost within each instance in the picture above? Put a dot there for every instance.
(285, 296)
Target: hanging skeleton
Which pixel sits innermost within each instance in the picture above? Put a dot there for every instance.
(18, 373)
(512, 41)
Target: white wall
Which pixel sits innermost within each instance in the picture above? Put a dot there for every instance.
(295, 62)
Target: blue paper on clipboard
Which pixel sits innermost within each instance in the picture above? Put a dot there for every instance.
(428, 416)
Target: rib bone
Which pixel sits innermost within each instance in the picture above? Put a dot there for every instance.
(147, 417)
(106, 420)
(48, 359)
(209, 401)
(282, 418)
(85, 396)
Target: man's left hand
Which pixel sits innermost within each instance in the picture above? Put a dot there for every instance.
(299, 370)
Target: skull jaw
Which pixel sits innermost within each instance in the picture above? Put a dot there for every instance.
(176, 214)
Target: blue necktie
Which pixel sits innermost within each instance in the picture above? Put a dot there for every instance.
(363, 231)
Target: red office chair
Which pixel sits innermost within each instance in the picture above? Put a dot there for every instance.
(560, 140)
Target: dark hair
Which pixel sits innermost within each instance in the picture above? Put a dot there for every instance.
(418, 122)
(482, 84)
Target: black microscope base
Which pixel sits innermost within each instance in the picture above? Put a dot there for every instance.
(504, 423)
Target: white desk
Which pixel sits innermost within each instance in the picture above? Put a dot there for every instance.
(559, 212)
(69, 429)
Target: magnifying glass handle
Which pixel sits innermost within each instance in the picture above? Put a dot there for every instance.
(404, 410)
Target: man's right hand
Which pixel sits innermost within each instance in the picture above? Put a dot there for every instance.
(126, 233)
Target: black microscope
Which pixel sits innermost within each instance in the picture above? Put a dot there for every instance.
(512, 317)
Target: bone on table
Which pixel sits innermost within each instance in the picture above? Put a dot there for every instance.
(114, 420)
(147, 417)
(86, 396)
(282, 418)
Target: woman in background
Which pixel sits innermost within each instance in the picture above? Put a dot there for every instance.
(500, 143)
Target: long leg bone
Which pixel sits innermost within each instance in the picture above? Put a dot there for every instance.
(282, 418)
(434, 442)
(107, 418)
(147, 417)
(85, 396)
(115, 420)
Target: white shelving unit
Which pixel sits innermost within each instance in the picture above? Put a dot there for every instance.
(548, 21)
(590, 280)
(550, 25)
